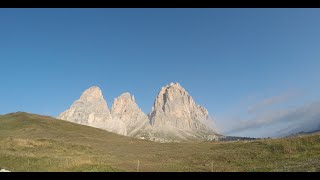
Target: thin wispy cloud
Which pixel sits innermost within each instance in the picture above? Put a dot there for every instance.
(258, 121)
(306, 117)
(276, 116)
(272, 101)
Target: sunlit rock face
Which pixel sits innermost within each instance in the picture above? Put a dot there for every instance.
(175, 110)
(125, 109)
(92, 110)
(174, 117)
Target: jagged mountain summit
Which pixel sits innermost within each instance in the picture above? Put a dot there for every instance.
(174, 107)
(174, 117)
(92, 110)
(125, 109)
(176, 114)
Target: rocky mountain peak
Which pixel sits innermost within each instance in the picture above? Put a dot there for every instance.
(169, 93)
(91, 109)
(92, 94)
(174, 107)
(122, 102)
(125, 109)
(175, 85)
(174, 116)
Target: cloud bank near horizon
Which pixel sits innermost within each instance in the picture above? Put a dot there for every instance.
(278, 121)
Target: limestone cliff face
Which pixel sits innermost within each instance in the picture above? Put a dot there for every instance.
(175, 109)
(174, 117)
(126, 110)
(92, 110)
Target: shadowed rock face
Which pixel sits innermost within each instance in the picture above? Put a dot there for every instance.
(174, 116)
(92, 110)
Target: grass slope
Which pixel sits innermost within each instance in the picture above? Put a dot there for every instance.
(32, 142)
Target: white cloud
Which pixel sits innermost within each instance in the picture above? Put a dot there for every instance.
(271, 101)
(305, 118)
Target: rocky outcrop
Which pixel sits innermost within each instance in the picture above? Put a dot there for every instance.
(174, 110)
(125, 109)
(92, 110)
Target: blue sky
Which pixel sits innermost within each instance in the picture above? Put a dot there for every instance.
(239, 63)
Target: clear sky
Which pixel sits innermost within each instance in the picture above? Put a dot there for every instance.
(243, 65)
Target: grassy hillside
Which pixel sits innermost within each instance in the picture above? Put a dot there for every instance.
(31, 142)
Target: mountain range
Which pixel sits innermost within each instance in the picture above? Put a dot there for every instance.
(174, 117)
